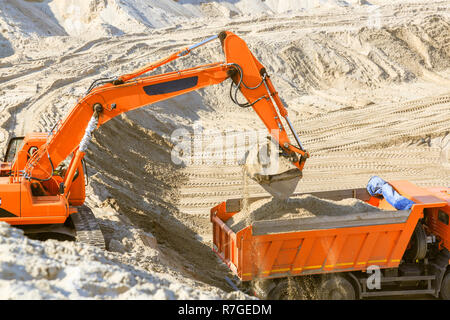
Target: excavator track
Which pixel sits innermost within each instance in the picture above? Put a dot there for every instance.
(87, 228)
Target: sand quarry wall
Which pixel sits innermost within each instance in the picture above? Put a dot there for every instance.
(145, 181)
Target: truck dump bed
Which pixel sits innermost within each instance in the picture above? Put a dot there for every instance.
(289, 247)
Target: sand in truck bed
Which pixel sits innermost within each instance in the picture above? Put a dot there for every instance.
(304, 206)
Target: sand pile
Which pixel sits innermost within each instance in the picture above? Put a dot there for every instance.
(304, 206)
(32, 269)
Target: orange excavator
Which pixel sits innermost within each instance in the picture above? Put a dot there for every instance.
(41, 197)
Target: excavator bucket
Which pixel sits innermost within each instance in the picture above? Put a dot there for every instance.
(274, 172)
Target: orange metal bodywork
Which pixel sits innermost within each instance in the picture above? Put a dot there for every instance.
(328, 250)
(16, 197)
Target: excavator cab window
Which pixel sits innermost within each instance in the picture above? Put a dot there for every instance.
(14, 145)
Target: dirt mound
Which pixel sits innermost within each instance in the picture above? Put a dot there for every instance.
(304, 206)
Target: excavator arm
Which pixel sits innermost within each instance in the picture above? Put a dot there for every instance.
(255, 84)
(131, 91)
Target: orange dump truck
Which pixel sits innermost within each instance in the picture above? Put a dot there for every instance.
(379, 253)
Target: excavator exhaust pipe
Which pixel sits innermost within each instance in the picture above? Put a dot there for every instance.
(274, 172)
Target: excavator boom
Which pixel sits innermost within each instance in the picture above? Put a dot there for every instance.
(114, 100)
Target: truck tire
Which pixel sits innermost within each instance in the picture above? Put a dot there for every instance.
(287, 289)
(418, 249)
(445, 287)
(336, 288)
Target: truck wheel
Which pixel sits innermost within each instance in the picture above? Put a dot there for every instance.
(287, 289)
(336, 288)
(445, 287)
(418, 249)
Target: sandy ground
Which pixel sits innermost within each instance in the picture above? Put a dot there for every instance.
(367, 88)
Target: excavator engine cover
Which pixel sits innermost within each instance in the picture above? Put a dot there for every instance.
(275, 172)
